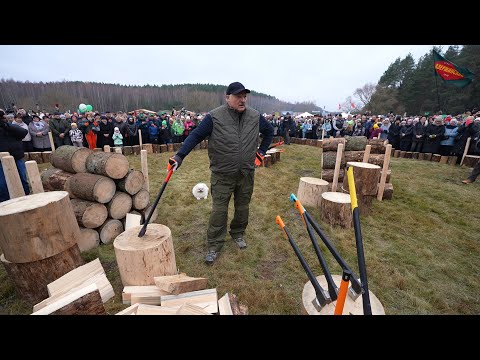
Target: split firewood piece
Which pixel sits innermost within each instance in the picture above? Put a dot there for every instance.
(181, 283)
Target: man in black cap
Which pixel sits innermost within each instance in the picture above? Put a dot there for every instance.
(233, 131)
(60, 128)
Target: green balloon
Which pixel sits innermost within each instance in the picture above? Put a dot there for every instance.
(89, 107)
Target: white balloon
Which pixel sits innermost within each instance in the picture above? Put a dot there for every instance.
(82, 107)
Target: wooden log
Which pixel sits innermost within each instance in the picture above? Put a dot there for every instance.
(93, 187)
(34, 177)
(26, 156)
(30, 279)
(140, 140)
(350, 307)
(144, 163)
(156, 148)
(180, 283)
(190, 309)
(384, 173)
(319, 143)
(303, 141)
(148, 148)
(71, 158)
(355, 143)
(163, 148)
(118, 149)
(236, 306)
(141, 199)
(12, 177)
(336, 209)
(110, 229)
(136, 149)
(57, 179)
(436, 157)
(97, 149)
(224, 307)
(89, 214)
(47, 156)
(389, 174)
(36, 156)
(176, 146)
(106, 148)
(207, 299)
(147, 210)
(366, 177)
(408, 155)
(396, 154)
(127, 150)
(366, 155)
(443, 159)
(421, 156)
(112, 165)
(354, 156)
(331, 144)
(84, 301)
(170, 147)
(119, 206)
(28, 236)
(4, 153)
(402, 154)
(465, 151)
(415, 155)
(452, 160)
(427, 156)
(376, 159)
(141, 291)
(310, 191)
(470, 160)
(89, 239)
(365, 204)
(327, 175)
(132, 183)
(267, 161)
(52, 143)
(378, 146)
(388, 192)
(141, 259)
(330, 158)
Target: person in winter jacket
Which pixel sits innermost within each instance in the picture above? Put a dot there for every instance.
(38, 130)
(451, 132)
(117, 137)
(76, 135)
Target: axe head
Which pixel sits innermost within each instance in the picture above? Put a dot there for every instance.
(353, 294)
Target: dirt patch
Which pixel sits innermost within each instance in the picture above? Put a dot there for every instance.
(267, 267)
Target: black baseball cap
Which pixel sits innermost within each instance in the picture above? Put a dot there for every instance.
(235, 88)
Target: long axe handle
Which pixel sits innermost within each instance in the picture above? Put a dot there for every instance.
(147, 220)
(342, 295)
(332, 288)
(319, 291)
(367, 308)
(356, 286)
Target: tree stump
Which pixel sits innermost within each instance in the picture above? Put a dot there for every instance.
(415, 155)
(156, 148)
(127, 150)
(336, 209)
(331, 144)
(427, 156)
(148, 147)
(327, 175)
(267, 161)
(388, 192)
(443, 159)
(452, 160)
(376, 159)
(110, 230)
(436, 157)
(163, 148)
(132, 183)
(141, 259)
(402, 154)
(47, 156)
(408, 155)
(350, 307)
(57, 180)
(93, 187)
(37, 226)
(176, 146)
(355, 143)
(36, 156)
(136, 149)
(169, 147)
(112, 165)
(31, 278)
(329, 159)
(89, 239)
(141, 200)
(89, 214)
(470, 160)
(310, 191)
(378, 146)
(118, 150)
(396, 153)
(366, 178)
(71, 158)
(119, 206)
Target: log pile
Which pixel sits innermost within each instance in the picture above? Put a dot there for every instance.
(102, 189)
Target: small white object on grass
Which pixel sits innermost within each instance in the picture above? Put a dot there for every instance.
(200, 191)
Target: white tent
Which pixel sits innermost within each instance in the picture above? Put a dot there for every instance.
(305, 114)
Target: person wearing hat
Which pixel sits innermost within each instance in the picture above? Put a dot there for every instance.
(76, 135)
(60, 129)
(233, 130)
(11, 141)
(39, 129)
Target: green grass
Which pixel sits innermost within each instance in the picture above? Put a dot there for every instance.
(421, 248)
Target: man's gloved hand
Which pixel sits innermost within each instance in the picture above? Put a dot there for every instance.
(259, 158)
(174, 162)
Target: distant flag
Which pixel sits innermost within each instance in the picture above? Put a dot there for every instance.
(353, 105)
(451, 73)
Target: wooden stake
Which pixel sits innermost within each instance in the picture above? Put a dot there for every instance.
(321, 162)
(2, 154)
(140, 139)
(34, 177)
(366, 154)
(383, 179)
(118, 150)
(14, 184)
(465, 152)
(338, 161)
(52, 144)
(143, 156)
(106, 148)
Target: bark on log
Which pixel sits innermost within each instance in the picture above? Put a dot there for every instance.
(310, 191)
(37, 226)
(408, 155)
(71, 158)
(331, 144)
(396, 153)
(436, 157)
(89, 239)
(163, 148)
(148, 147)
(156, 148)
(93, 187)
(89, 214)
(112, 165)
(141, 259)
(336, 209)
(470, 160)
(119, 206)
(443, 159)
(36, 156)
(110, 230)
(354, 156)
(97, 149)
(327, 175)
(136, 149)
(132, 183)
(366, 178)
(452, 160)
(355, 143)
(47, 156)
(378, 146)
(26, 156)
(169, 147)
(329, 159)
(402, 154)
(141, 199)
(427, 156)
(388, 192)
(88, 304)
(31, 279)
(56, 179)
(377, 159)
(127, 150)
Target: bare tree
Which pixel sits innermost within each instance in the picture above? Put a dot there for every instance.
(365, 93)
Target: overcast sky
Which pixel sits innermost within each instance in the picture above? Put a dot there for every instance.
(324, 74)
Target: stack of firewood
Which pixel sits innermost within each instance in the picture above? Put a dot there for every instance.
(102, 189)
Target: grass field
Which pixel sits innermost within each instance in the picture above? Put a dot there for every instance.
(422, 249)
